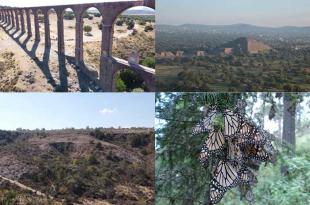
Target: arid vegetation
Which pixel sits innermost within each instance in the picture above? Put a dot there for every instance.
(85, 166)
(9, 67)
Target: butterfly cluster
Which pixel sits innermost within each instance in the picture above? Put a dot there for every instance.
(237, 149)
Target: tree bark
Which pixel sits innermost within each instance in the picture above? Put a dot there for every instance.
(289, 113)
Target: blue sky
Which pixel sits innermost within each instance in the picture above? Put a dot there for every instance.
(223, 12)
(54, 111)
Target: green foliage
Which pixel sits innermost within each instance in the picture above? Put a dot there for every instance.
(119, 22)
(142, 22)
(120, 85)
(41, 18)
(99, 26)
(148, 28)
(128, 81)
(87, 28)
(140, 141)
(130, 24)
(131, 79)
(8, 197)
(97, 15)
(69, 16)
(149, 62)
(100, 135)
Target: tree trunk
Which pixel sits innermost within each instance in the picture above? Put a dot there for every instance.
(289, 112)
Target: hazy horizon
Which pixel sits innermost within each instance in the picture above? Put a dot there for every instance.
(266, 13)
(230, 25)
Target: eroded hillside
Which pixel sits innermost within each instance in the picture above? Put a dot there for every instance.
(90, 166)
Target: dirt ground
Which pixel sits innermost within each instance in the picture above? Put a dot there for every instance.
(39, 69)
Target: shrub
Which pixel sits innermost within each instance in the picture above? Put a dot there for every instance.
(131, 79)
(97, 14)
(130, 24)
(149, 62)
(148, 28)
(99, 146)
(119, 22)
(140, 141)
(142, 22)
(8, 198)
(100, 26)
(41, 19)
(92, 160)
(87, 29)
(120, 85)
(69, 16)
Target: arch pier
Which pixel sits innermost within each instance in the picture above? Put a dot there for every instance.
(13, 18)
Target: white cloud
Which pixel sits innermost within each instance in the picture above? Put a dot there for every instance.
(106, 111)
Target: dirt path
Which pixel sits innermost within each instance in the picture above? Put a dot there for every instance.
(24, 187)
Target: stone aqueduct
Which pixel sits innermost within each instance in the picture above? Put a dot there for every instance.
(109, 65)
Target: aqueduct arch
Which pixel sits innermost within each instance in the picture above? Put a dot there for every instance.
(109, 10)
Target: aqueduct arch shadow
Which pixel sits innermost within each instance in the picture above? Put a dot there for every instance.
(109, 65)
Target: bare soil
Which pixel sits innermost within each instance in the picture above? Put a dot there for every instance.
(33, 68)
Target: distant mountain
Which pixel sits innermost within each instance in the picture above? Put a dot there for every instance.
(141, 11)
(235, 28)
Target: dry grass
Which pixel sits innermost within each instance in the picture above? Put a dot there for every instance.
(9, 72)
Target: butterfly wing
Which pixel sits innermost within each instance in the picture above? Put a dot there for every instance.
(256, 152)
(226, 175)
(213, 144)
(206, 124)
(215, 141)
(246, 176)
(231, 123)
(204, 155)
(216, 192)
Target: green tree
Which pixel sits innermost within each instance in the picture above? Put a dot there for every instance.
(87, 29)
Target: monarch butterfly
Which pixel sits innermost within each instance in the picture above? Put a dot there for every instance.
(246, 176)
(204, 155)
(251, 135)
(215, 141)
(231, 123)
(256, 152)
(206, 124)
(226, 175)
(216, 192)
(245, 128)
(234, 152)
(213, 144)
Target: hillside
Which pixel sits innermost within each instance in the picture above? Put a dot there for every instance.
(247, 45)
(85, 166)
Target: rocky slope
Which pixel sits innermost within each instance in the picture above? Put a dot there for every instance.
(86, 166)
